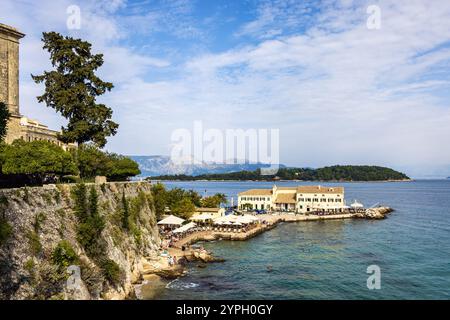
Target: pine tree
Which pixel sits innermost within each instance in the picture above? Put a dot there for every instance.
(72, 88)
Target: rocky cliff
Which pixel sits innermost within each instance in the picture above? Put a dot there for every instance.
(75, 241)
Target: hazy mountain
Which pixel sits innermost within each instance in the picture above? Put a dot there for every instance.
(162, 165)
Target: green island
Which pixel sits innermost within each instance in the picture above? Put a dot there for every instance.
(332, 173)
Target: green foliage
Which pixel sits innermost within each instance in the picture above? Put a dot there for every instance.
(125, 213)
(37, 222)
(180, 202)
(91, 224)
(111, 270)
(92, 161)
(37, 159)
(122, 167)
(214, 201)
(89, 232)
(5, 230)
(34, 242)
(4, 117)
(333, 173)
(64, 255)
(72, 88)
(81, 207)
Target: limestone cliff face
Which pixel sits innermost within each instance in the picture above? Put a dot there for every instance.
(37, 221)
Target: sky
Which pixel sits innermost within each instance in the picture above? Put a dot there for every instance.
(338, 91)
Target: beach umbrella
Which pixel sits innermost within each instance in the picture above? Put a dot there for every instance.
(356, 205)
(185, 228)
(201, 217)
(171, 220)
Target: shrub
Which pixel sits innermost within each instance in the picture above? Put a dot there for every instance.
(34, 242)
(111, 271)
(64, 255)
(5, 230)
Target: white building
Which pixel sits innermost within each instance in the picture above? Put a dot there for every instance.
(299, 199)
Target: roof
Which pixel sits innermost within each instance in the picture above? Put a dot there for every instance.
(320, 189)
(256, 192)
(207, 209)
(11, 31)
(285, 198)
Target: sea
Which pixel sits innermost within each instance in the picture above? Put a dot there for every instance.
(409, 252)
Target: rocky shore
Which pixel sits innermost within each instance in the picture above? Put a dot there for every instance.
(155, 274)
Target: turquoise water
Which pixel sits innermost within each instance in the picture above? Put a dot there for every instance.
(328, 260)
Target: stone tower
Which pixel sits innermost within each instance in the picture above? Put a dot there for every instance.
(9, 67)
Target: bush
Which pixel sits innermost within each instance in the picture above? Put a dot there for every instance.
(37, 159)
(111, 271)
(34, 242)
(5, 231)
(64, 255)
(92, 161)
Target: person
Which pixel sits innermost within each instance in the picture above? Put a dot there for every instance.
(174, 260)
(183, 248)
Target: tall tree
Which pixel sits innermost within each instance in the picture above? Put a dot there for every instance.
(72, 88)
(4, 117)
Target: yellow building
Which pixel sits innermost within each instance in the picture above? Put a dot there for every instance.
(211, 213)
(19, 126)
(299, 199)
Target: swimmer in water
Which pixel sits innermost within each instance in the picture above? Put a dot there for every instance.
(269, 268)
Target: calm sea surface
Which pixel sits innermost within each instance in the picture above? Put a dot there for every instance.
(328, 260)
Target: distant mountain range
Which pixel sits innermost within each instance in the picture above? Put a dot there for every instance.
(162, 165)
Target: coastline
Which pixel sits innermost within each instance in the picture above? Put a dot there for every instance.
(153, 275)
(281, 180)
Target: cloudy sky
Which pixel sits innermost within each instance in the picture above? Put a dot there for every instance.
(339, 92)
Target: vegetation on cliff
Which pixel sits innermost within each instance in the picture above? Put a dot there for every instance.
(333, 173)
(75, 225)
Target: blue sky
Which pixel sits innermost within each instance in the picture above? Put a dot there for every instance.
(339, 92)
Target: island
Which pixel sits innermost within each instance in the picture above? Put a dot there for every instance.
(331, 173)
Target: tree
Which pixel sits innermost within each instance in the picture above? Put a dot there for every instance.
(37, 159)
(121, 167)
(91, 161)
(214, 201)
(72, 88)
(183, 208)
(159, 194)
(4, 118)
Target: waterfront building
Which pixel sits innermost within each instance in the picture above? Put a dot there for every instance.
(301, 199)
(211, 213)
(19, 126)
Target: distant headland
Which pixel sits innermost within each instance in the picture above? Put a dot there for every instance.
(333, 173)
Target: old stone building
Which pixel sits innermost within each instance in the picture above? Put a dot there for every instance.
(19, 126)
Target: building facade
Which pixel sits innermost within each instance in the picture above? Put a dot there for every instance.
(19, 127)
(211, 212)
(301, 199)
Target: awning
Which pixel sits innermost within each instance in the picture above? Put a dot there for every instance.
(171, 220)
(201, 217)
(185, 228)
